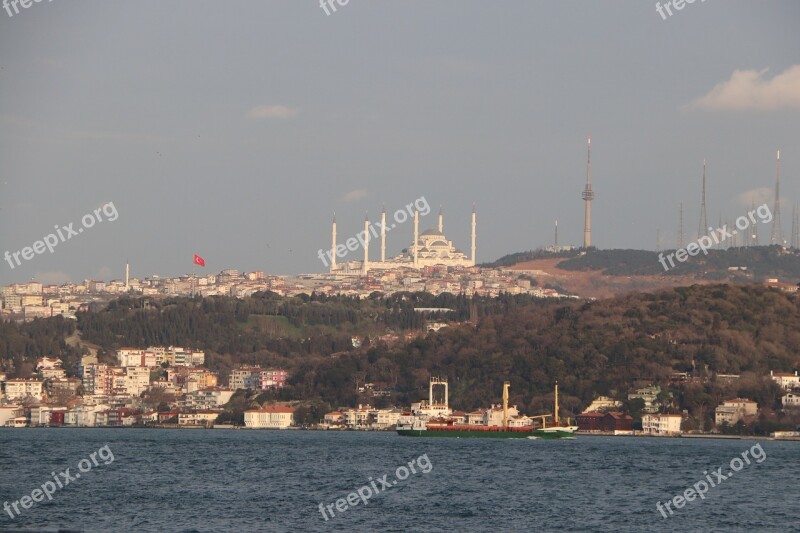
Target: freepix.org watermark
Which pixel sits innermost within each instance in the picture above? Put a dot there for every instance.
(330, 5)
(364, 236)
(363, 494)
(64, 233)
(8, 4)
(716, 236)
(60, 480)
(701, 487)
(666, 9)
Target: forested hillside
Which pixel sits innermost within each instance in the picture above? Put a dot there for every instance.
(602, 347)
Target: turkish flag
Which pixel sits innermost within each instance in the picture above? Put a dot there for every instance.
(199, 260)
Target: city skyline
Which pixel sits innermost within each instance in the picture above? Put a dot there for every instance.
(241, 150)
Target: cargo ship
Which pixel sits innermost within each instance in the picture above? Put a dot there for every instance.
(435, 419)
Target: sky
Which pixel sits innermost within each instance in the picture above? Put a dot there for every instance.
(236, 129)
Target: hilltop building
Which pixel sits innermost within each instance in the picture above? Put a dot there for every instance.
(431, 248)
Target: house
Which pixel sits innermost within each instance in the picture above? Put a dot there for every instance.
(358, 418)
(9, 413)
(198, 418)
(385, 418)
(655, 424)
(786, 380)
(731, 411)
(650, 397)
(602, 403)
(168, 417)
(334, 418)
(46, 363)
(791, 400)
(272, 417)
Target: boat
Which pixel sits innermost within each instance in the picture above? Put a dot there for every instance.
(434, 419)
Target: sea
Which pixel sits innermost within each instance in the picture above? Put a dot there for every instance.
(296, 481)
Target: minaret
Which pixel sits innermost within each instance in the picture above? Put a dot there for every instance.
(127, 276)
(556, 239)
(366, 245)
(416, 236)
(333, 244)
(474, 219)
(795, 243)
(681, 236)
(588, 196)
(754, 236)
(383, 235)
(777, 234)
(703, 229)
(441, 225)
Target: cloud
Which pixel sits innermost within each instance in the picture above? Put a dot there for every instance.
(104, 273)
(52, 278)
(757, 197)
(352, 196)
(750, 89)
(272, 112)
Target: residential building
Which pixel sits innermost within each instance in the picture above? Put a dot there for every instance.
(52, 373)
(272, 417)
(334, 418)
(245, 378)
(731, 411)
(137, 380)
(19, 389)
(208, 399)
(200, 379)
(494, 416)
(198, 418)
(98, 379)
(385, 418)
(43, 415)
(650, 397)
(257, 378)
(655, 424)
(9, 412)
(786, 380)
(603, 403)
(791, 399)
(48, 363)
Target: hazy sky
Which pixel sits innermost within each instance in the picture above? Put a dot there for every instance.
(235, 129)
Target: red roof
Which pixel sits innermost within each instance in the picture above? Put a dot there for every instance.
(272, 409)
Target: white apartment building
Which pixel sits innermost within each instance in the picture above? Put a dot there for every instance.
(655, 424)
(198, 418)
(270, 417)
(786, 380)
(137, 380)
(18, 389)
(84, 415)
(208, 399)
(136, 357)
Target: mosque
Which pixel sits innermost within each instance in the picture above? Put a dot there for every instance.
(431, 248)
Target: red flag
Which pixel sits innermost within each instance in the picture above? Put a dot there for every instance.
(199, 260)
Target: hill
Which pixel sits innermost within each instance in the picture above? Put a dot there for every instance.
(604, 347)
(606, 273)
